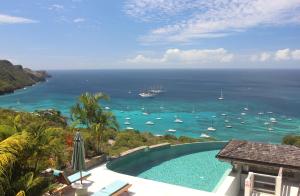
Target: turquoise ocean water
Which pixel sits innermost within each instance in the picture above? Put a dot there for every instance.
(191, 95)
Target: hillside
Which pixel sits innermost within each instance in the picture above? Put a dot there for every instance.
(13, 77)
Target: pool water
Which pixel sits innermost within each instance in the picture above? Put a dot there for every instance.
(197, 170)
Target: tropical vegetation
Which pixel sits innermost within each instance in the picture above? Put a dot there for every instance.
(292, 140)
(31, 142)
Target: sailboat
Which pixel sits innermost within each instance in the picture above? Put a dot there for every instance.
(221, 96)
(212, 127)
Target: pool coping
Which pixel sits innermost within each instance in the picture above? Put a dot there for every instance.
(220, 182)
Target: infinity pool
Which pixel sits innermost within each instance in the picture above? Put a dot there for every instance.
(178, 165)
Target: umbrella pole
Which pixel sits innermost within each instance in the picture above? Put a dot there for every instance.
(80, 176)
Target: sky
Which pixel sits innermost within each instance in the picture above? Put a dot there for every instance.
(146, 34)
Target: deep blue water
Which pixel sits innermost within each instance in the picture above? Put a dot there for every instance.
(191, 95)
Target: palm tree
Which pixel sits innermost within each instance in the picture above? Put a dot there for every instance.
(104, 121)
(88, 111)
(87, 108)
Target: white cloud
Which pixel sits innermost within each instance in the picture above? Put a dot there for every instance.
(283, 54)
(214, 18)
(186, 57)
(56, 7)
(296, 54)
(7, 19)
(278, 55)
(78, 20)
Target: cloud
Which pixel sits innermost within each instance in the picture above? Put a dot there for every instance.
(283, 54)
(186, 57)
(7, 19)
(78, 20)
(278, 55)
(296, 54)
(56, 7)
(207, 19)
(262, 57)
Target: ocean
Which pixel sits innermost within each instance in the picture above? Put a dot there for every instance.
(258, 105)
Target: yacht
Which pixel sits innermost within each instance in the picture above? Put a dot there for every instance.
(126, 123)
(221, 96)
(129, 128)
(157, 90)
(149, 123)
(266, 123)
(177, 120)
(273, 120)
(145, 113)
(228, 126)
(107, 108)
(171, 130)
(260, 113)
(127, 118)
(158, 135)
(211, 129)
(224, 114)
(203, 135)
(242, 122)
(147, 94)
(246, 108)
(243, 113)
(158, 118)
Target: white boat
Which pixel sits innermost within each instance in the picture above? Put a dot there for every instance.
(127, 118)
(260, 113)
(126, 123)
(107, 108)
(129, 128)
(227, 121)
(243, 113)
(145, 113)
(289, 119)
(242, 122)
(171, 130)
(228, 126)
(270, 129)
(158, 135)
(147, 94)
(273, 120)
(214, 116)
(211, 129)
(203, 135)
(129, 92)
(246, 108)
(266, 123)
(224, 114)
(149, 123)
(158, 118)
(177, 120)
(239, 118)
(221, 96)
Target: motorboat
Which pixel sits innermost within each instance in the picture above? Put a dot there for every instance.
(149, 123)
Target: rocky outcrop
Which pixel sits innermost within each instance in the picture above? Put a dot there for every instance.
(13, 77)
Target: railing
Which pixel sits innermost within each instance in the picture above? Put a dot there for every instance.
(256, 182)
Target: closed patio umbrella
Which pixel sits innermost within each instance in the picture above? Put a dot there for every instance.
(78, 155)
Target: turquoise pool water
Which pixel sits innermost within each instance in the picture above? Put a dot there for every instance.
(191, 165)
(198, 171)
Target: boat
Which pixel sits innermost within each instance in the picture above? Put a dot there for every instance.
(273, 120)
(270, 129)
(149, 123)
(127, 118)
(129, 92)
(242, 122)
(171, 130)
(147, 95)
(203, 135)
(243, 113)
(246, 108)
(107, 108)
(214, 116)
(145, 113)
(221, 96)
(157, 90)
(129, 128)
(289, 119)
(224, 114)
(158, 118)
(177, 120)
(211, 129)
(228, 126)
(126, 123)
(260, 113)
(266, 123)
(158, 135)
(239, 118)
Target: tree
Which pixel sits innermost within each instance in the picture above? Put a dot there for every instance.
(88, 111)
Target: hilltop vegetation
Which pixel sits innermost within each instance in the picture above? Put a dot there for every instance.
(292, 140)
(13, 77)
(33, 142)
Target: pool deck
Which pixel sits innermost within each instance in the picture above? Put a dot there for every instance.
(101, 176)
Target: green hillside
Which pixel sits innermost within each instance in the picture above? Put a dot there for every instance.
(14, 77)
